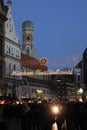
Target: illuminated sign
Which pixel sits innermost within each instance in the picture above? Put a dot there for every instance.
(43, 61)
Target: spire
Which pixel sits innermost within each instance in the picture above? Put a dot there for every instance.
(9, 2)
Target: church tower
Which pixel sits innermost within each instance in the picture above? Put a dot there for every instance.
(28, 38)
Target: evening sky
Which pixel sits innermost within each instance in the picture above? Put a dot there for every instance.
(60, 28)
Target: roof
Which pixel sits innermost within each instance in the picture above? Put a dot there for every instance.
(32, 63)
(27, 23)
(80, 64)
(3, 10)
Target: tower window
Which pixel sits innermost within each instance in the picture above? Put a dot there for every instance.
(28, 38)
(27, 50)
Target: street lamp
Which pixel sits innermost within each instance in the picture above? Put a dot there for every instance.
(56, 109)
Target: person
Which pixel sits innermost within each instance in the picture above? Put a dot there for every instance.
(3, 123)
(26, 121)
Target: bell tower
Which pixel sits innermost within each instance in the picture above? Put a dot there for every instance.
(27, 35)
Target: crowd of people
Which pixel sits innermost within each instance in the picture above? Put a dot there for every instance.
(40, 116)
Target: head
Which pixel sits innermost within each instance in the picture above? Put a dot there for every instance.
(26, 107)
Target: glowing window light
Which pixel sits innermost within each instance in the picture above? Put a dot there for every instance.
(80, 91)
(39, 91)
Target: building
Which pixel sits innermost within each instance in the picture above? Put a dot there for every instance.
(34, 83)
(63, 85)
(3, 11)
(28, 38)
(12, 55)
(23, 75)
(84, 67)
(16, 61)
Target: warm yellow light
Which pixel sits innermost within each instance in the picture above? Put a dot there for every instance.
(80, 91)
(17, 102)
(2, 102)
(80, 99)
(55, 109)
(39, 91)
(54, 126)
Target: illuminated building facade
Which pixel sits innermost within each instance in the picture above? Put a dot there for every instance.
(34, 83)
(12, 55)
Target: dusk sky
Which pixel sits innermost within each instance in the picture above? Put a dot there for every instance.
(60, 28)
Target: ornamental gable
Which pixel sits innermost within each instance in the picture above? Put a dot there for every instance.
(10, 31)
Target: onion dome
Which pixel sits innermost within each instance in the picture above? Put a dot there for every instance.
(27, 24)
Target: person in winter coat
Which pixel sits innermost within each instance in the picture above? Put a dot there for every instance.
(3, 123)
(26, 121)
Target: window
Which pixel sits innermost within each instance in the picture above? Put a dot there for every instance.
(9, 50)
(9, 19)
(28, 38)
(27, 50)
(1, 70)
(14, 67)
(7, 25)
(1, 47)
(9, 69)
(1, 28)
(12, 51)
